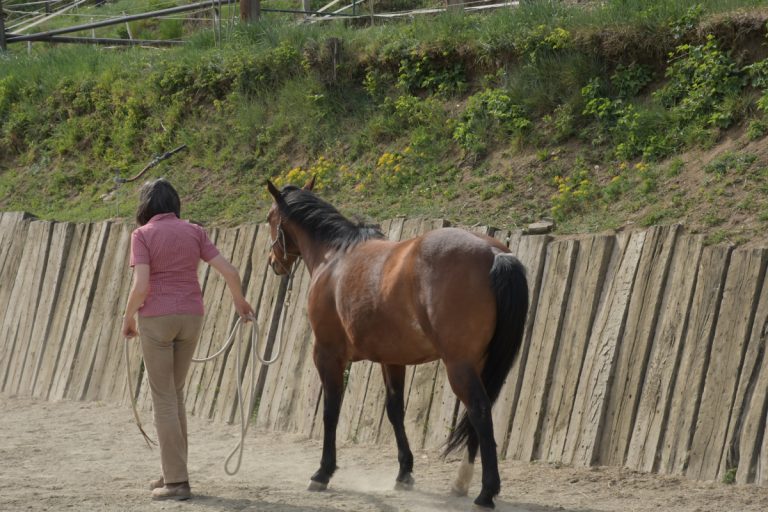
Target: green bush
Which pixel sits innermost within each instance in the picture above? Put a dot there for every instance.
(574, 193)
(757, 129)
(700, 79)
(634, 130)
(543, 40)
(488, 115)
(629, 81)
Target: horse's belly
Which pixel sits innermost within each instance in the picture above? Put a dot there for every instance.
(391, 343)
(401, 357)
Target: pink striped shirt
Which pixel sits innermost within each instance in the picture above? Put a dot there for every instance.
(173, 249)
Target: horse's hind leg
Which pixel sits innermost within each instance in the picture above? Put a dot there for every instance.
(467, 385)
(467, 469)
(331, 370)
(394, 378)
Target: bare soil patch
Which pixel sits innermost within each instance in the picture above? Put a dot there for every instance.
(89, 456)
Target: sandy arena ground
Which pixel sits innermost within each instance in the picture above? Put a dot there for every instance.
(90, 457)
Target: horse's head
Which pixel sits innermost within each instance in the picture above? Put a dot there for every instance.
(284, 250)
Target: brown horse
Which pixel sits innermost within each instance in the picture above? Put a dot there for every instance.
(448, 294)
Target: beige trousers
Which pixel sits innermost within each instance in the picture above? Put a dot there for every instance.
(168, 343)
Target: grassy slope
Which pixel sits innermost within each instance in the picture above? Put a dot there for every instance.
(475, 118)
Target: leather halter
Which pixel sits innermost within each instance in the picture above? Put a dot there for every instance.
(279, 241)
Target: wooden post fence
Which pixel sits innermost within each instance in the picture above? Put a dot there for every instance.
(643, 349)
(2, 27)
(250, 10)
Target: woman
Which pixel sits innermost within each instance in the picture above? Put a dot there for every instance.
(165, 252)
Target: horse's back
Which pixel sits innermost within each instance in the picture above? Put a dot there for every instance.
(450, 243)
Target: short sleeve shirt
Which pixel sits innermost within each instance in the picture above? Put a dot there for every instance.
(173, 249)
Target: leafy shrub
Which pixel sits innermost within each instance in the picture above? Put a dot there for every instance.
(196, 83)
(413, 111)
(560, 124)
(598, 105)
(757, 74)
(633, 131)
(441, 74)
(543, 40)
(628, 81)
(700, 78)
(375, 83)
(574, 193)
(687, 22)
(404, 67)
(487, 113)
(757, 129)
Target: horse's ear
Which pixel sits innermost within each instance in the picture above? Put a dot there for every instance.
(310, 184)
(274, 191)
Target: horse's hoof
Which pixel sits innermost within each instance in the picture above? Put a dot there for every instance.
(405, 483)
(458, 491)
(317, 486)
(483, 503)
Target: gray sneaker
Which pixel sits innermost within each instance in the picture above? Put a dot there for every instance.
(156, 484)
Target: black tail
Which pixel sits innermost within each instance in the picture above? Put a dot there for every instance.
(511, 290)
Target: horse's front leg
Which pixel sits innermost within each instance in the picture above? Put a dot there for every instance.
(331, 369)
(394, 377)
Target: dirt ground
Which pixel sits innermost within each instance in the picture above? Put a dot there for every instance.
(90, 457)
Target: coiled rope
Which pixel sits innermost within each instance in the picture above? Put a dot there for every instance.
(255, 355)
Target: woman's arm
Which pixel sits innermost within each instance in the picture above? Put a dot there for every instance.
(232, 277)
(139, 292)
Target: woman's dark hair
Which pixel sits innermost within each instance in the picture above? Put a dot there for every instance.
(156, 197)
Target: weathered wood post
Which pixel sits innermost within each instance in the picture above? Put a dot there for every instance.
(372, 13)
(2, 27)
(250, 10)
(306, 5)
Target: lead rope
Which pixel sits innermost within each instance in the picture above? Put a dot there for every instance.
(238, 449)
(136, 416)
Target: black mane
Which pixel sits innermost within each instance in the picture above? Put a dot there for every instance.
(324, 222)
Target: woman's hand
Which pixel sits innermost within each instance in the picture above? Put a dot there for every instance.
(243, 309)
(129, 327)
(139, 292)
(231, 276)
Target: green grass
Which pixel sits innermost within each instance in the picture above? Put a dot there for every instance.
(433, 116)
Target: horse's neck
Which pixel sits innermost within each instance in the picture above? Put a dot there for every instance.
(313, 253)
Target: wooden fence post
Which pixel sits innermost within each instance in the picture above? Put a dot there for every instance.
(250, 10)
(2, 27)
